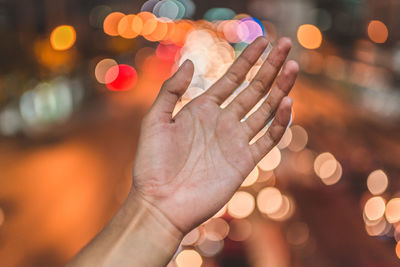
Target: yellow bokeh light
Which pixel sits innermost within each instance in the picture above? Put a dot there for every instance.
(241, 205)
(251, 178)
(393, 210)
(378, 32)
(309, 36)
(269, 200)
(271, 160)
(189, 258)
(63, 37)
(374, 208)
(377, 182)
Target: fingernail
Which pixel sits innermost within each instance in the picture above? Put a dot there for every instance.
(186, 62)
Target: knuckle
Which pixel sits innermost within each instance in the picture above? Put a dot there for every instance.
(233, 78)
(258, 85)
(266, 109)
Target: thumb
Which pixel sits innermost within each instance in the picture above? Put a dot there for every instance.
(172, 90)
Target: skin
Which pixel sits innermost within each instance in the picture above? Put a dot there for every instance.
(188, 166)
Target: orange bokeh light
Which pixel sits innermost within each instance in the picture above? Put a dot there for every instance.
(378, 32)
(158, 32)
(149, 22)
(63, 37)
(111, 23)
(189, 258)
(309, 36)
(130, 26)
(241, 205)
(181, 31)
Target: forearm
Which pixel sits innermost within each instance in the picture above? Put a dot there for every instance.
(138, 235)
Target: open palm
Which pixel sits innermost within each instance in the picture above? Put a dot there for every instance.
(190, 165)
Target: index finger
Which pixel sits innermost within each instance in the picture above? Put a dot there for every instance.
(236, 74)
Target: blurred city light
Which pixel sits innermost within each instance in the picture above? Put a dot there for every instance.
(309, 36)
(63, 37)
(241, 205)
(57, 93)
(377, 31)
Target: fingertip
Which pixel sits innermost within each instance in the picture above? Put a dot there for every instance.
(286, 41)
(292, 66)
(286, 104)
(284, 44)
(187, 64)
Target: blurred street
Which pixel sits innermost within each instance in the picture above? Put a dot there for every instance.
(71, 108)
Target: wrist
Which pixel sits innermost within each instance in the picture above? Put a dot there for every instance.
(149, 214)
(138, 235)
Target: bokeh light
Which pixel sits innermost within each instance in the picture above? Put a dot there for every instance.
(251, 178)
(63, 37)
(191, 238)
(188, 258)
(216, 229)
(271, 160)
(102, 68)
(210, 248)
(241, 205)
(249, 30)
(393, 210)
(335, 177)
(130, 26)
(286, 139)
(309, 36)
(299, 138)
(377, 229)
(126, 78)
(378, 32)
(269, 200)
(221, 13)
(377, 182)
(285, 211)
(111, 23)
(374, 208)
(325, 165)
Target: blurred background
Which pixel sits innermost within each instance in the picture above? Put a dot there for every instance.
(76, 78)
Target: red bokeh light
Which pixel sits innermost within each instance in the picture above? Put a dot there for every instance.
(167, 52)
(126, 78)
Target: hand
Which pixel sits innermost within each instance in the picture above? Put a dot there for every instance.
(188, 166)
